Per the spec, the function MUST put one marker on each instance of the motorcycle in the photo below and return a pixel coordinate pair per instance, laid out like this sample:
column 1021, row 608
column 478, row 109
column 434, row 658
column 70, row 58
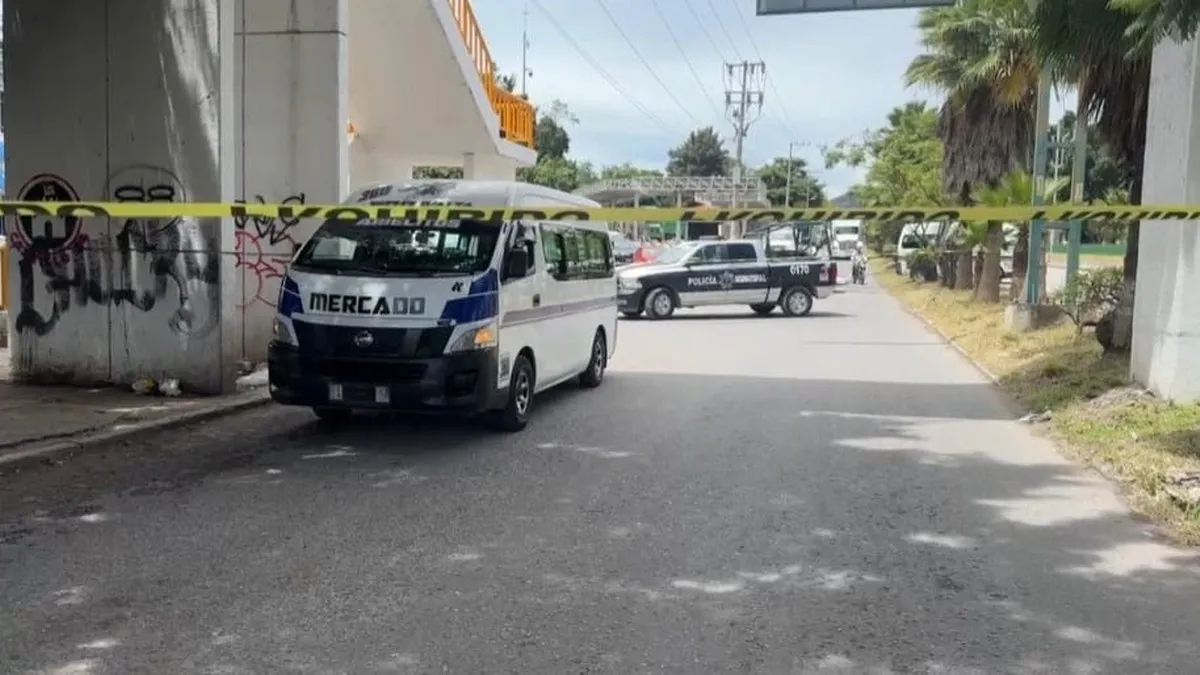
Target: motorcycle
column 859, row 271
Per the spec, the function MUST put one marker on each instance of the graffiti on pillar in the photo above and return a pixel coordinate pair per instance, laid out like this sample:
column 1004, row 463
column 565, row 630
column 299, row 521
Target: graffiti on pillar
column 181, row 261
column 264, row 246
column 146, row 261
column 45, row 244
column 46, row 238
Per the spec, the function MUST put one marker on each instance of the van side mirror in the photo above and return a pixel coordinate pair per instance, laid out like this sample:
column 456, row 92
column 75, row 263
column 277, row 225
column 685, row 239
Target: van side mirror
column 516, row 264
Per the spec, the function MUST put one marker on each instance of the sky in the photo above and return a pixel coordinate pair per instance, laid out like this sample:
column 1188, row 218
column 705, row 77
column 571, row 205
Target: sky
column 829, row 76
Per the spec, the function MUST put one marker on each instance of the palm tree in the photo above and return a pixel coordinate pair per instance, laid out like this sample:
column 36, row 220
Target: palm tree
column 1104, row 46
column 1016, row 189
column 980, row 54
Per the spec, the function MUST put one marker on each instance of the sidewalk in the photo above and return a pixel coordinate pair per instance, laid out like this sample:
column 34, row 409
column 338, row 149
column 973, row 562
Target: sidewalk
column 45, row 424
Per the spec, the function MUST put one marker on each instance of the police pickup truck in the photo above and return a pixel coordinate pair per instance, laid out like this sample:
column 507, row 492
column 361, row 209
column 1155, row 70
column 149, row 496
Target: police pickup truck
column 736, row 272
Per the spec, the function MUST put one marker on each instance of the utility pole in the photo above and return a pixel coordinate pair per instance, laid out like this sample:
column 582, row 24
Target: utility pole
column 743, row 104
column 525, row 71
column 1041, row 146
column 787, row 195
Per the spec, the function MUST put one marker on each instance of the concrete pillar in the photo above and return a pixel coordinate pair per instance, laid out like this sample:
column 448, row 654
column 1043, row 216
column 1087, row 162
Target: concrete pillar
column 293, row 116
column 118, row 100
column 369, row 164
column 1166, row 329
column 488, row 167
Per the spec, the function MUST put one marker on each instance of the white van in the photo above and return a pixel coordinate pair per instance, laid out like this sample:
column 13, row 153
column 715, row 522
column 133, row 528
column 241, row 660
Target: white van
column 464, row 316
column 915, row 236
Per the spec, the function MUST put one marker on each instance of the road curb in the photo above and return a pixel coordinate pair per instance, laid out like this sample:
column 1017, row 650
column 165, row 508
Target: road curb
column 40, row 453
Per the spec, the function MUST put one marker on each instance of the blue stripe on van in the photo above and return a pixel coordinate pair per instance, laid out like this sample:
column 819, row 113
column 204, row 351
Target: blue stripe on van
column 289, row 298
column 481, row 302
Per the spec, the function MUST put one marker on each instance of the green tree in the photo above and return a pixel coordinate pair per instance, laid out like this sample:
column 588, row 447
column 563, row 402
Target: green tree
column 1017, row 189
column 703, row 153
column 438, row 172
column 553, row 140
column 507, row 82
column 805, row 190
column 1104, row 172
column 559, row 173
column 1105, row 46
column 627, row 171
column 1106, row 179
column 903, row 162
column 980, row 55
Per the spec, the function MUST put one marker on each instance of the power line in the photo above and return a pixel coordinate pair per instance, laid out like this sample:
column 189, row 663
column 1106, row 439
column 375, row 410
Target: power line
column 721, row 25
column 704, row 31
column 666, row 90
column 612, row 82
column 686, row 60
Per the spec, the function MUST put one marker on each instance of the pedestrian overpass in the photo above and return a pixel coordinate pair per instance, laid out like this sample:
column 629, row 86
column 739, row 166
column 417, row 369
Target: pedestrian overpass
column 216, row 101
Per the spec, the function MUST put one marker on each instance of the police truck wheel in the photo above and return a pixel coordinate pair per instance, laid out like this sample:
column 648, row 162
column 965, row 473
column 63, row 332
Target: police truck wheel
column 333, row 415
column 796, row 301
column 660, row 304
column 594, row 375
column 515, row 415
column 762, row 310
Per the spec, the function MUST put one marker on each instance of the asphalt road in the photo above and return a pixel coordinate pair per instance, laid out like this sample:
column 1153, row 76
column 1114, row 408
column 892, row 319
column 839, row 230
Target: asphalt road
column 837, row 494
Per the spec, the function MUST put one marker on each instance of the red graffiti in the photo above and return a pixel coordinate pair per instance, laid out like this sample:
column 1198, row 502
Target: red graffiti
column 262, row 264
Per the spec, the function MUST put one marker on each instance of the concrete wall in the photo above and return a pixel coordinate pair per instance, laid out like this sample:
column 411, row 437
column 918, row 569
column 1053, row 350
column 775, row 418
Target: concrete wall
column 117, row 100
column 1166, row 333
column 416, row 96
column 292, row 80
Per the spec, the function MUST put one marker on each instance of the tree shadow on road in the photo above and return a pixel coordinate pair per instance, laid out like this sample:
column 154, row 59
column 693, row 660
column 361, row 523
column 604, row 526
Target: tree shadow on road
column 786, row 526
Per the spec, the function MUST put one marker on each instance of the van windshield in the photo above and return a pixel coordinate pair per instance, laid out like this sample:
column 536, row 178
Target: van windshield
column 843, row 230
column 400, row 248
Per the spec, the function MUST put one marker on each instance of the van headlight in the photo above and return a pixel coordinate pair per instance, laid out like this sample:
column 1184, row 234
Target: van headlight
column 627, row 284
column 282, row 332
column 481, row 337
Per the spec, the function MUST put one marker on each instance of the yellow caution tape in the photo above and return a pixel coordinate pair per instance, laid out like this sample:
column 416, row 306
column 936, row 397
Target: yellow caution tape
column 290, row 212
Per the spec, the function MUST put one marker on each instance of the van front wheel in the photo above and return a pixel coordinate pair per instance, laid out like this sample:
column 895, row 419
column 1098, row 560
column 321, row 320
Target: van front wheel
column 515, row 414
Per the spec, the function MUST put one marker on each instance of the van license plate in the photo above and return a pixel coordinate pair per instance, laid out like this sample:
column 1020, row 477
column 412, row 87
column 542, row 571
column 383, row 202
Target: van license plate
column 383, row 395
column 336, row 393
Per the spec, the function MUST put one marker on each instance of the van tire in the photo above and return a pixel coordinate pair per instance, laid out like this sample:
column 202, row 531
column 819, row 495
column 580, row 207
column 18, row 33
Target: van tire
column 515, row 414
column 597, row 363
column 796, row 301
column 660, row 304
column 333, row 416
column 763, row 309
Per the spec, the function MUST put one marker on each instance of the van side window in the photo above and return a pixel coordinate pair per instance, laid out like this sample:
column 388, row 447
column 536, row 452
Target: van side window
column 576, row 250
column 555, row 254
column 599, row 258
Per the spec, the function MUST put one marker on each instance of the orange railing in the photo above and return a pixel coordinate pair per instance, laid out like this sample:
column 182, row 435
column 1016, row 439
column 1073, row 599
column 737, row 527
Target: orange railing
column 516, row 114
